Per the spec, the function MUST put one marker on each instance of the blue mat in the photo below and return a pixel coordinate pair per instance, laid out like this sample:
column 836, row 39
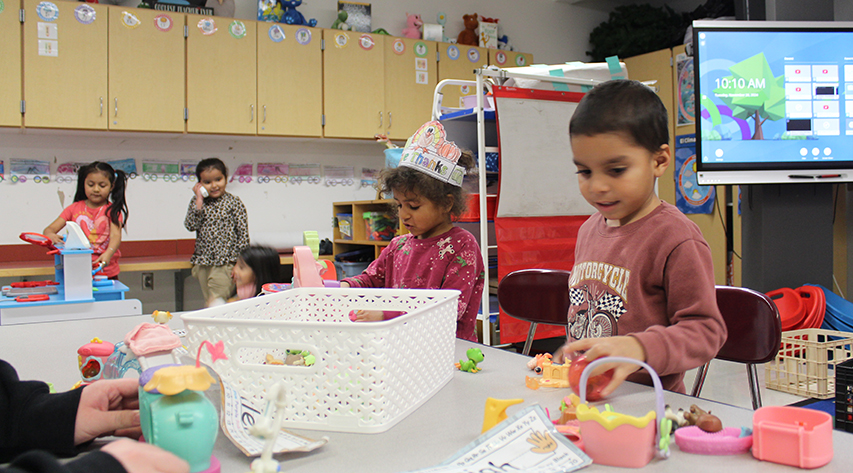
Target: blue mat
column 825, row 405
column 839, row 312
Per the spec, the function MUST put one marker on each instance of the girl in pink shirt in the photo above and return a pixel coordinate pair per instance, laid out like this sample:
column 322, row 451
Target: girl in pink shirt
column 101, row 211
column 427, row 189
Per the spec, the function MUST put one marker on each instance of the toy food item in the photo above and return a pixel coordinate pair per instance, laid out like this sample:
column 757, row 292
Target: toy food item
column 594, row 385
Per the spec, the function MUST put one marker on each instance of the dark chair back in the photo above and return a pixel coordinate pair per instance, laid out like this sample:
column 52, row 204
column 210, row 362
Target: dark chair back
column 753, row 325
column 536, row 295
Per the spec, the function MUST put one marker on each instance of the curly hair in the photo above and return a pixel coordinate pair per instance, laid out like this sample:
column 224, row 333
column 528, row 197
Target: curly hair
column 405, row 179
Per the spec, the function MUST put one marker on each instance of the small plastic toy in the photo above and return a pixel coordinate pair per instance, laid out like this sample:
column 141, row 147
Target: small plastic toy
column 615, row 439
column 469, row 34
column 728, row 441
column 504, row 44
column 441, row 19
column 553, row 376
column 495, row 411
column 596, row 383
column 413, row 25
column 92, row 359
column 162, row 316
column 475, row 355
column 793, row 436
column 267, row 428
column 341, row 22
column 291, row 16
column 535, row 363
column 704, row 420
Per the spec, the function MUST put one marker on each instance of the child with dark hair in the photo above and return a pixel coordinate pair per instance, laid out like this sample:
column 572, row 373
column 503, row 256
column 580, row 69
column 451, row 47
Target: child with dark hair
column 101, row 211
column 222, row 230
column 642, row 285
column 435, row 254
column 256, row 266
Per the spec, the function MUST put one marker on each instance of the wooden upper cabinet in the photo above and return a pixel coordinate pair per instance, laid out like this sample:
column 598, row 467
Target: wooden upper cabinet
column 221, row 75
column 354, row 84
column 410, row 78
column 146, row 70
column 290, row 80
column 504, row 59
column 10, row 73
column 65, row 64
column 458, row 61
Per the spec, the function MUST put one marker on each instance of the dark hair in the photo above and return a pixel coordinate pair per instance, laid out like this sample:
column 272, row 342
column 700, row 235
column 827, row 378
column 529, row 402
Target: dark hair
column 210, row 163
column 264, row 263
column 406, row 179
column 118, row 180
column 623, row 106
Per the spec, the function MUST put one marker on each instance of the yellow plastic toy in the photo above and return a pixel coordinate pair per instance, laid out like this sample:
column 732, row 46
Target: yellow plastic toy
column 495, row 412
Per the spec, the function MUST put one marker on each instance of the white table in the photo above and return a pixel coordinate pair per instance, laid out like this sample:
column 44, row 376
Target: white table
column 439, row 428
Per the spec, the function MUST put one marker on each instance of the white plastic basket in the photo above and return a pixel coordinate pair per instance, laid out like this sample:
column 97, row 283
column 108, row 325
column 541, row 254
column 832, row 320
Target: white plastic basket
column 367, row 376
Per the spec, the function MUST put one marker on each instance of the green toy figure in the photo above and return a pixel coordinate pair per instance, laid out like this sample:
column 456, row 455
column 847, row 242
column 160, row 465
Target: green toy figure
column 475, row 355
column 341, row 22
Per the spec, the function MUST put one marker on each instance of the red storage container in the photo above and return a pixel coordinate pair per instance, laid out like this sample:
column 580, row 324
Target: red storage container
column 473, row 212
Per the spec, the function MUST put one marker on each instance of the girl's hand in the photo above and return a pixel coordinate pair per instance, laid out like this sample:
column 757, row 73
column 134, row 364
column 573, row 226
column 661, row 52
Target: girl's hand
column 345, row 284
column 56, row 239
column 140, row 457
column 197, row 190
column 103, row 260
column 368, row 316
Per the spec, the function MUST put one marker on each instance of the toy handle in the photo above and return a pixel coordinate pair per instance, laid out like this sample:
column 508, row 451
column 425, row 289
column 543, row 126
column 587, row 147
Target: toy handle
column 659, row 402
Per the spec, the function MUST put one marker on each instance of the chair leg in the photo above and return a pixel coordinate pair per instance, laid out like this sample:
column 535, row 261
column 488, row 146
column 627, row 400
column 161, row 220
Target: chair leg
column 754, row 390
column 699, row 381
column 529, row 342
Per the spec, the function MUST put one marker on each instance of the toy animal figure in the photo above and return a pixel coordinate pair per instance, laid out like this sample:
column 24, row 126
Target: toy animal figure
column 441, row 19
column 536, row 362
column 413, row 25
column 162, row 316
column 475, row 355
column 293, row 17
column 704, row 420
column 341, row 22
column 503, row 43
column 469, row 35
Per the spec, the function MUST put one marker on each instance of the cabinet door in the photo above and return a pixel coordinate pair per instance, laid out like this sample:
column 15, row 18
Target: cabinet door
column 504, row 59
column 65, row 64
column 221, row 75
column 353, row 84
column 458, row 61
column 410, row 78
column 10, row 73
column 146, row 70
column 290, row 80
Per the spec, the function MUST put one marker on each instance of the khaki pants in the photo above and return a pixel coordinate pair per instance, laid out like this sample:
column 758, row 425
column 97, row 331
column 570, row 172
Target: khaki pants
column 216, row 282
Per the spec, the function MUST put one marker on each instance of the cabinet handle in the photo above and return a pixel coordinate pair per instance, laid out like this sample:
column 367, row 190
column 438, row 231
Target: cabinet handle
column 116, row 106
column 380, row 119
column 252, row 113
column 265, row 113
column 102, row 107
column 389, row 119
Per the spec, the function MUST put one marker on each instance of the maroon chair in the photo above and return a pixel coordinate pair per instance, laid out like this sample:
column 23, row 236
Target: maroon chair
column 538, row 296
column 754, row 334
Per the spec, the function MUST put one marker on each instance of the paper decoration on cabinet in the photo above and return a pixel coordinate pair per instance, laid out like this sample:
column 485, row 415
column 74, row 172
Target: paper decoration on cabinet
column 369, row 177
column 272, row 172
column 167, row 170
column 366, row 42
column 243, row 173
column 23, row 170
column 421, row 49
column 684, row 95
column 188, row 171
column 47, row 11
column 163, row 23
column 129, row 20
column 310, row 173
column 339, row 175
column 128, row 165
column 85, row 14
column 67, row 172
column 303, row 36
column 237, row 29
column 207, row 26
column 358, row 15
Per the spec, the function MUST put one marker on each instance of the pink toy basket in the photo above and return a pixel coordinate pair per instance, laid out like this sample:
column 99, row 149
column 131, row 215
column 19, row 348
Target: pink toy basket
column 792, row 436
column 616, row 439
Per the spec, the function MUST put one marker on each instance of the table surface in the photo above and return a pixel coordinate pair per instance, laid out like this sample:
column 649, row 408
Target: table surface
column 444, row 424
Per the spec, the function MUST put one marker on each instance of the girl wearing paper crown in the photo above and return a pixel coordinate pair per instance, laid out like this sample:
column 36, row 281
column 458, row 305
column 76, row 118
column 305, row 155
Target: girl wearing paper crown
column 427, row 190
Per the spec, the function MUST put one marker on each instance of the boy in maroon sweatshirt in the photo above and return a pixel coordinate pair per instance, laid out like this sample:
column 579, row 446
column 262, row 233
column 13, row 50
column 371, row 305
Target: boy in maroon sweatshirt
column 642, row 285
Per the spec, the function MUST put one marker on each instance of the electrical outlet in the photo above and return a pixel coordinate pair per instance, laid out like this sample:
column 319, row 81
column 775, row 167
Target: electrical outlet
column 147, row 281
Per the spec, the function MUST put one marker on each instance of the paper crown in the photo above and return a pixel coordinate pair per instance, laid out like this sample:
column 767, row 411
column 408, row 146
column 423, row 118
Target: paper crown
column 428, row 151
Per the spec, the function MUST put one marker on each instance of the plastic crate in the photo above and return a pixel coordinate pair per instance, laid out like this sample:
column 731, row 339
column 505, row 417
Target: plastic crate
column 844, row 396
column 366, row 377
column 806, row 362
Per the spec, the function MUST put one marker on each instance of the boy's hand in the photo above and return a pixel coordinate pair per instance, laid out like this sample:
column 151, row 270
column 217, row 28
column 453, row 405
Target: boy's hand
column 108, row 407
column 594, row 348
column 139, row 457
